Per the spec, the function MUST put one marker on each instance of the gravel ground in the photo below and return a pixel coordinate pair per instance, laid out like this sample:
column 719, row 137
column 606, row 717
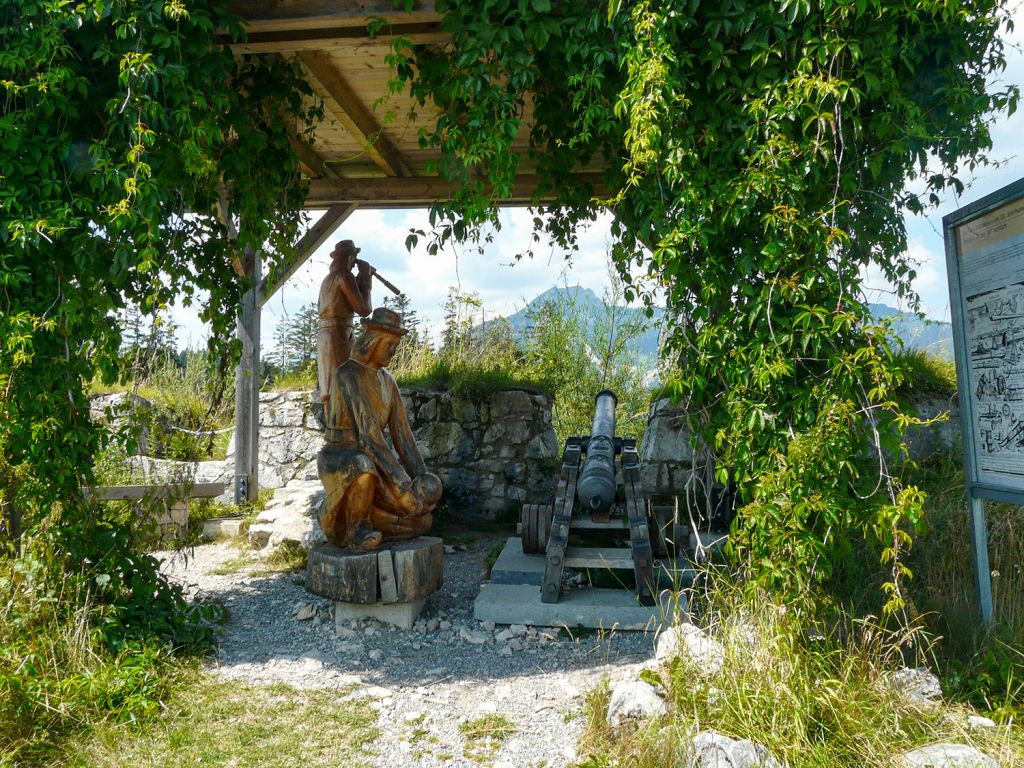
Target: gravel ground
column 425, row 682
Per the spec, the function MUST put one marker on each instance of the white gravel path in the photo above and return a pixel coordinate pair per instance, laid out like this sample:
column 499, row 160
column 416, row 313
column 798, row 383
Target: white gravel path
column 425, row 681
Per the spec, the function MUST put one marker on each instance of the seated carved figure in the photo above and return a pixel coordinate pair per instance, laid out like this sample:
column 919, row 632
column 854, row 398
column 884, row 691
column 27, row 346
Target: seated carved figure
column 374, row 492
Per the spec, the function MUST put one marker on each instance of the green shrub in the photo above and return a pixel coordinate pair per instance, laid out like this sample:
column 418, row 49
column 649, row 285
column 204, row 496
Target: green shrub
column 82, row 647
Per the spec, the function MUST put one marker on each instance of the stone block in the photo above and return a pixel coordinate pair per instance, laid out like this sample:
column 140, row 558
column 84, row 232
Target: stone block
column 667, row 438
column 543, row 445
column 401, row 615
column 222, row 527
column 513, row 566
column 513, row 402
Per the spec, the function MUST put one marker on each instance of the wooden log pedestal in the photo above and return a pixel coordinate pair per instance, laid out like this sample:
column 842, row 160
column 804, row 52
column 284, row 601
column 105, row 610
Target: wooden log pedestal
column 390, row 584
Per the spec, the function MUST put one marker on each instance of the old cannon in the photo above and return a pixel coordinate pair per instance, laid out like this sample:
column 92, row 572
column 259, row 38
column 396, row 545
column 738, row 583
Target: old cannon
column 598, row 496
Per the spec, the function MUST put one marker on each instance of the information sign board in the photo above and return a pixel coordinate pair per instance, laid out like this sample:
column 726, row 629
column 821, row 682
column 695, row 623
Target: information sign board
column 985, row 266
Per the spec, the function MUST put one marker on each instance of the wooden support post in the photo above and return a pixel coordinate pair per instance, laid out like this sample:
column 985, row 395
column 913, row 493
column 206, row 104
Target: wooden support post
column 247, row 390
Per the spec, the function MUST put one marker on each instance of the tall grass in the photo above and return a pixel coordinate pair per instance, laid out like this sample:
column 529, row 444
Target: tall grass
column 58, row 675
column 815, row 695
column 984, row 667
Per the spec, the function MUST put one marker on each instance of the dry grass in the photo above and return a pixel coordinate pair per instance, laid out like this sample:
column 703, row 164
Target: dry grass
column 216, row 723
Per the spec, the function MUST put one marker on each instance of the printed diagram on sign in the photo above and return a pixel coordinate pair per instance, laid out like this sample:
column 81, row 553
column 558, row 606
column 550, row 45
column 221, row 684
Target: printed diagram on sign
column 995, row 330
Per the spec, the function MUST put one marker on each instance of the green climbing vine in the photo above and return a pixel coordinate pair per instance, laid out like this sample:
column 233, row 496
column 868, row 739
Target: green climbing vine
column 139, row 159
column 758, row 156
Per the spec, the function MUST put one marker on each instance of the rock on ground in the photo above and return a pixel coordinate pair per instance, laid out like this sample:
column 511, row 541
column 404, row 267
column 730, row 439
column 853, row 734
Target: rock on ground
column 692, row 643
column 292, row 516
column 947, row 756
column 634, row 700
column 711, row 749
column 918, row 685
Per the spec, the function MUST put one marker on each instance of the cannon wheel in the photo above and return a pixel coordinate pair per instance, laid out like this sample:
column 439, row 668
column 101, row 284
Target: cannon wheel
column 528, row 523
column 545, row 513
column 535, row 527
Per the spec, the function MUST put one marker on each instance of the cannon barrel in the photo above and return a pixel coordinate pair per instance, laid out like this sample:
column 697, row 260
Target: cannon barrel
column 596, row 489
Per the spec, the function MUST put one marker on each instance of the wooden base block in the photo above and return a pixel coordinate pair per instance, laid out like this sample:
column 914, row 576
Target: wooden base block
column 399, row 572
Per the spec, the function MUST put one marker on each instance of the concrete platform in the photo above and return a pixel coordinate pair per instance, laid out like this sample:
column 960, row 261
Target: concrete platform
column 585, row 607
column 514, row 566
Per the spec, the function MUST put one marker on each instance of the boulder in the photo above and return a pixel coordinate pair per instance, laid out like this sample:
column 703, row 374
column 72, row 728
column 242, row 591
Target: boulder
column 291, row 516
column 689, row 641
column 711, row 749
column 634, row 700
column 947, row 756
column 917, row 685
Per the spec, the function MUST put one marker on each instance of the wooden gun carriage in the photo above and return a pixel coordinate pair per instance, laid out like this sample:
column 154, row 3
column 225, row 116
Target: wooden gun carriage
column 599, row 496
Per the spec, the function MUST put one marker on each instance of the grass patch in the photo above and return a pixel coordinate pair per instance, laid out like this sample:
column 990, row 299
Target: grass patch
column 985, row 669
column 218, row 723
column 295, row 381
column 285, row 558
column 926, row 374
column 466, row 380
column 814, row 697
column 484, row 736
column 492, row 557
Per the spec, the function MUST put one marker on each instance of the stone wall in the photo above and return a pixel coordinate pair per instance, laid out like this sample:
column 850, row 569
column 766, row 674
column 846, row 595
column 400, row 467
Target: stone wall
column 492, row 453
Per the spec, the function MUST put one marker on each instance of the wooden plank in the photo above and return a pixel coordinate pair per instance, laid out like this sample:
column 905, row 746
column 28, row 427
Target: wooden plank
column 386, row 573
column 298, row 14
column 419, row 567
column 316, row 236
column 348, row 40
column 139, row 492
column 599, row 557
column 312, row 164
column 353, row 114
column 586, row 523
column 418, row 190
column 558, row 537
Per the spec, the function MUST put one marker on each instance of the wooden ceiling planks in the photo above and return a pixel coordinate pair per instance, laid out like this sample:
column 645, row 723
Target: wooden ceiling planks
column 367, row 149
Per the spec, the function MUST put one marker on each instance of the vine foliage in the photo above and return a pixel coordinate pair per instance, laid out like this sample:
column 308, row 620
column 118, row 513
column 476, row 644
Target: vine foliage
column 139, row 159
column 758, row 157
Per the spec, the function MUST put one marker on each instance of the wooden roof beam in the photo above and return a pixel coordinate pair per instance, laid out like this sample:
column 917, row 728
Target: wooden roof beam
column 351, row 113
column 416, row 192
column 348, row 39
column 310, row 162
column 310, row 14
column 316, row 236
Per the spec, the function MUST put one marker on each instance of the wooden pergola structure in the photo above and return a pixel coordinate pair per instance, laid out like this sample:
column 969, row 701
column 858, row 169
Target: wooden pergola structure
column 366, row 153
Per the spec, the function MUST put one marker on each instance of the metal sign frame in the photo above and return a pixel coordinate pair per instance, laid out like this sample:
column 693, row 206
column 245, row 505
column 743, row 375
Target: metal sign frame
column 990, row 215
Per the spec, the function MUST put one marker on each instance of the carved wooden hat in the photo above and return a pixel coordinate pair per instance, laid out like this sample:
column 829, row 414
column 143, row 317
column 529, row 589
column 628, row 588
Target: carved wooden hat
column 384, row 320
column 343, row 247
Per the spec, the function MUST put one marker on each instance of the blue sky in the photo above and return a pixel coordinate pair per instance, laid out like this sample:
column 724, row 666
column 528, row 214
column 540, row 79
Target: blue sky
column 504, row 285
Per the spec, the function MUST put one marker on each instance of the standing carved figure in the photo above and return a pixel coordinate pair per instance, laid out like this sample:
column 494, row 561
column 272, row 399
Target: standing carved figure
column 342, row 294
column 374, row 492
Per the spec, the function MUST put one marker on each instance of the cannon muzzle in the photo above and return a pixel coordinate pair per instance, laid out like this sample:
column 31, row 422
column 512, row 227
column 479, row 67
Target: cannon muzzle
column 596, row 489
